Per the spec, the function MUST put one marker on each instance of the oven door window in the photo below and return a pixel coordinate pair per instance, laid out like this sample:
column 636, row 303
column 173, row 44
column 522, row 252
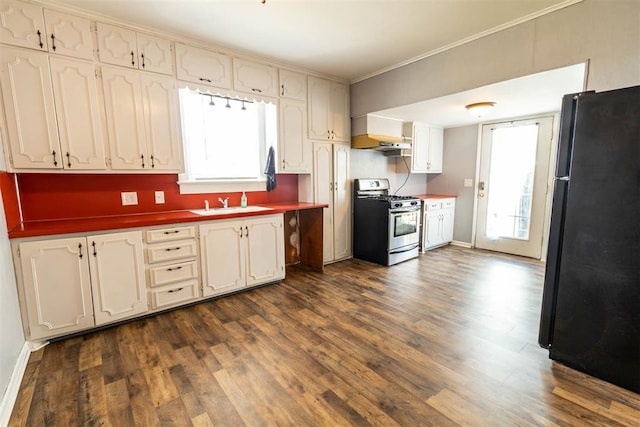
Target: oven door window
column 405, row 223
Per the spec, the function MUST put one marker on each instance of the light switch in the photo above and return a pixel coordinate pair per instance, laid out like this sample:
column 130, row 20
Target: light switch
column 159, row 197
column 468, row 182
column 129, row 198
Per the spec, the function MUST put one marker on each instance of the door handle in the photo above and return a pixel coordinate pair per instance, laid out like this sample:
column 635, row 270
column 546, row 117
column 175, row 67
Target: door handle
column 481, row 187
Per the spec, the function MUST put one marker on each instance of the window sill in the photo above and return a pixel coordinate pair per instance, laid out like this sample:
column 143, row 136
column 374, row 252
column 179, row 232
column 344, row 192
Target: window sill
column 202, row 187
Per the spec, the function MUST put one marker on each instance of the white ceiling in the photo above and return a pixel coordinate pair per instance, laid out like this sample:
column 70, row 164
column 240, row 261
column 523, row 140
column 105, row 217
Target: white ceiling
column 349, row 39
column 534, row 94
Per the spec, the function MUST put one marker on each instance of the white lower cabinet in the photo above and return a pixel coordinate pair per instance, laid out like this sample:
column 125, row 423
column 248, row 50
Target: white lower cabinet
column 66, row 282
column 437, row 223
column 241, row 253
column 117, row 276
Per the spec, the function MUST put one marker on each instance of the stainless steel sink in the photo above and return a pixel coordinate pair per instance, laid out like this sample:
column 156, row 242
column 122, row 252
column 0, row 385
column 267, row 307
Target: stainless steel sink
column 227, row 211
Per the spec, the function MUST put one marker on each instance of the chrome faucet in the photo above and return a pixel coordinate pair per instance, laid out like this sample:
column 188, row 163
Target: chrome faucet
column 225, row 202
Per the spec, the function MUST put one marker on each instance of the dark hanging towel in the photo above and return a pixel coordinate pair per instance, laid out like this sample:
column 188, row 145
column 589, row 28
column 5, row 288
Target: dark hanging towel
column 270, row 169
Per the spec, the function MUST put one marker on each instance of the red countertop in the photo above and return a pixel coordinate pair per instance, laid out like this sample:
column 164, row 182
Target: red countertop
column 83, row 225
column 435, row 196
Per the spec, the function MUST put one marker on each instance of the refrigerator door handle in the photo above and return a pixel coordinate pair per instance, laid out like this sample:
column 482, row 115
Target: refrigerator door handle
column 562, row 178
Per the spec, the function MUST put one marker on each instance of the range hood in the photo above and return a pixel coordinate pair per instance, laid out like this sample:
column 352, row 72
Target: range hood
column 378, row 133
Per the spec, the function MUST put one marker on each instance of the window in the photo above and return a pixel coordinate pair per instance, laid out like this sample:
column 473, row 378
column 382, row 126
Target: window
column 225, row 142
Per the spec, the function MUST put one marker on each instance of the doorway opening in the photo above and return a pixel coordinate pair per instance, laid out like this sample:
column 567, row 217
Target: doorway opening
column 512, row 187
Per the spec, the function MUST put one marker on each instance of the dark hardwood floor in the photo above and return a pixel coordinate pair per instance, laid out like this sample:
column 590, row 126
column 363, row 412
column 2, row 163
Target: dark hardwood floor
column 446, row 339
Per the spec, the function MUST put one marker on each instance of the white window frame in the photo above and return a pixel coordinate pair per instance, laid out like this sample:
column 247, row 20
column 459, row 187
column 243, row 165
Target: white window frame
column 189, row 185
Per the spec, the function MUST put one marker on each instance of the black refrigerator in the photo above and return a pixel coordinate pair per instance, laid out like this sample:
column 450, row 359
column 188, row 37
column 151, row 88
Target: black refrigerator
column 590, row 318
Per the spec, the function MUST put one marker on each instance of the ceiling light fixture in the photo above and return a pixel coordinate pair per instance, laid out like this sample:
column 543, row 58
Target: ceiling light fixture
column 479, row 109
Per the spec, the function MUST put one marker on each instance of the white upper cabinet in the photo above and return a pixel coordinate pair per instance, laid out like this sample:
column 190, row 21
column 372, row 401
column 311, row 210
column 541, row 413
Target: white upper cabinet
column 203, row 66
column 293, row 85
column 154, row 54
column 328, row 110
column 32, row 133
column 160, row 108
column 124, row 47
column 77, row 110
column 52, row 111
column 22, row 24
column 426, row 147
column 68, row 35
column 125, row 118
column 142, row 120
column 251, row 77
column 294, row 149
column 30, row 26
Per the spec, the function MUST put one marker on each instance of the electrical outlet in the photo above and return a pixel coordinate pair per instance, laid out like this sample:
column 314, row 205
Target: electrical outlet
column 129, row 198
column 468, row 182
column 159, row 197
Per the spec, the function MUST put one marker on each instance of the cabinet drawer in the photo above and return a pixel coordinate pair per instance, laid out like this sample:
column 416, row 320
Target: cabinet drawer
column 430, row 204
column 173, row 273
column 169, row 234
column 174, row 294
column 448, row 203
column 172, row 250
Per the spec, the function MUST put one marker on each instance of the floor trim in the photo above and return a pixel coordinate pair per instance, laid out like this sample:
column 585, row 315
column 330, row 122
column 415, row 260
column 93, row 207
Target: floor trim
column 10, row 395
column 461, row 244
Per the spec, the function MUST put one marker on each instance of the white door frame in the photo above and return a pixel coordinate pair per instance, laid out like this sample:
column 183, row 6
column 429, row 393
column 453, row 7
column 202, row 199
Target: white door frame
column 550, row 177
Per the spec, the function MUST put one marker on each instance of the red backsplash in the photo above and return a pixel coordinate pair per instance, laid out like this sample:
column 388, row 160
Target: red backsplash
column 62, row 196
column 10, row 199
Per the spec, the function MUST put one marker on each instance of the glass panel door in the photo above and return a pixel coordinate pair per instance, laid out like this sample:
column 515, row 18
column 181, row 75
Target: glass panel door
column 513, row 161
column 512, row 186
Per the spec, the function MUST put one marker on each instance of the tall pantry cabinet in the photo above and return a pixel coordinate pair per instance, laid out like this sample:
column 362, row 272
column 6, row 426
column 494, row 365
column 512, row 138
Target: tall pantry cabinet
column 329, row 184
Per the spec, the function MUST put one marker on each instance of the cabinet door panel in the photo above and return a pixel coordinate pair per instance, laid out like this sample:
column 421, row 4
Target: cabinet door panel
column 55, row 276
column 160, row 102
column 431, row 224
column 265, row 258
column 255, row 78
column 20, row 24
column 436, row 136
column 117, row 45
column 117, row 276
column 319, row 105
column 341, row 202
column 125, row 118
column 68, row 35
column 340, row 116
column 222, row 257
column 78, row 117
column 448, row 217
column 203, row 66
column 294, row 148
column 293, row 85
column 323, row 191
column 154, row 54
column 29, row 109
column 420, row 148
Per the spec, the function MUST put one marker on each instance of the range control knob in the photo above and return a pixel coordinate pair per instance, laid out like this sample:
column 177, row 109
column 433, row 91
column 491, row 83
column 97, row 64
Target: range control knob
column 397, row 205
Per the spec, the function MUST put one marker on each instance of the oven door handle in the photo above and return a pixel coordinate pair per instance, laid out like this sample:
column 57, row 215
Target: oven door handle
column 404, row 249
column 404, row 210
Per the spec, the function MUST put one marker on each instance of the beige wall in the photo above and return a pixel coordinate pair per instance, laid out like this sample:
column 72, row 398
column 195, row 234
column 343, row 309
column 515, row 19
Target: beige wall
column 11, row 337
column 605, row 32
column 460, row 147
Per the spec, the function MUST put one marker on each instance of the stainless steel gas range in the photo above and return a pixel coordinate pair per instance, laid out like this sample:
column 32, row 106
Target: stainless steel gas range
column 385, row 227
